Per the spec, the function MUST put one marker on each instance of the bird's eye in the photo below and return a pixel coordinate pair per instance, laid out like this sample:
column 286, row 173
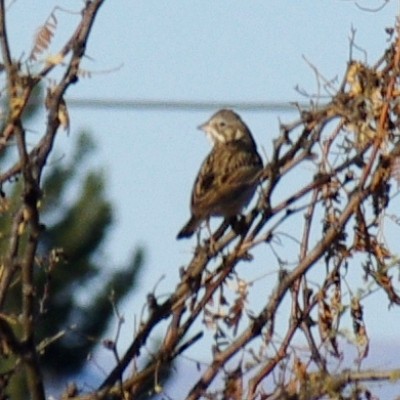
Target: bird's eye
column 222, row 124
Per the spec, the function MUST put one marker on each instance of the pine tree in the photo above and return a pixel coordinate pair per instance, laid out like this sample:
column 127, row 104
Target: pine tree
column 70, row 325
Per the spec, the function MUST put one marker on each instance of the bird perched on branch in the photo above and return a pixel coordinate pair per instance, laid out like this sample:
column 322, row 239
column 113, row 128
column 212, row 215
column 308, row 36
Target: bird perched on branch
column 228, row 176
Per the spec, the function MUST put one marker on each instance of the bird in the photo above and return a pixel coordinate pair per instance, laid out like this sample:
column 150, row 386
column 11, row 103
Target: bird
column 229, row 175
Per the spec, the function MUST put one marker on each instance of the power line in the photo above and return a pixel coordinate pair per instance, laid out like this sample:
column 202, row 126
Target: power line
column 171, row 105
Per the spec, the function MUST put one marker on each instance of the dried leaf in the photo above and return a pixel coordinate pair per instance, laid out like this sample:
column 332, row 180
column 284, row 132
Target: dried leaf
column 385, row 282
column 21, row 227
column 396, row 170
column 327, row 331
column 235, row 314
column 234, row 385
column 63, row 115
column 300, row 370
column 43, row 37
column 359, row 328
column 16, row 104
column 353, row 78
column 54, row 59
column 4, row 204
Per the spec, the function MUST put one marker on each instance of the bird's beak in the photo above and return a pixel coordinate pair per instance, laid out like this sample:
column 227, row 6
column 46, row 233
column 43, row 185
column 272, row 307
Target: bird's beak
column 206, row 128
column 203, row 127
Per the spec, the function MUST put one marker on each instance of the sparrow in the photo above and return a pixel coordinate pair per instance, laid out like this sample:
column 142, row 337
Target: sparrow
column 228, row 176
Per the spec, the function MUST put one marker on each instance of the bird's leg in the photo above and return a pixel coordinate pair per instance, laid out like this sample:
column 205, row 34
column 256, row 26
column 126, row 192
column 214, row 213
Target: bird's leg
column 240, row 226
column 211, row 241
column 213, row 238
column 219, row 232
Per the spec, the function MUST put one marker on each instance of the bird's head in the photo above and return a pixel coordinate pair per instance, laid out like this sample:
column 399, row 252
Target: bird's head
column 226, row 126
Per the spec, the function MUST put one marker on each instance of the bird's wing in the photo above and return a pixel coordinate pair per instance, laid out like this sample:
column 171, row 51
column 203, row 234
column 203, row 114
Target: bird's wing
column 224, row 175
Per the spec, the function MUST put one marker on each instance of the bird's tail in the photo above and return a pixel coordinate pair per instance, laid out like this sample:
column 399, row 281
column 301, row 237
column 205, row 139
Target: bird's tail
column 189, row 228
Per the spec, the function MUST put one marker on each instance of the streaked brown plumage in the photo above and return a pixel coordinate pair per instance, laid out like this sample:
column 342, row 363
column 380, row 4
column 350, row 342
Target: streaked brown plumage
column 228, row 176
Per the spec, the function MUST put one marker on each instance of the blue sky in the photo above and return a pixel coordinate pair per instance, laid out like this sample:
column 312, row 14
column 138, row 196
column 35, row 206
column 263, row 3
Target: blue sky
column 225, row 50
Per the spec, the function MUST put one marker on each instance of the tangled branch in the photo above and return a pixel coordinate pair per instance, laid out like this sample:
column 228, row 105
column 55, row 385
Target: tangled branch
column 18, row 265
column 352, row 142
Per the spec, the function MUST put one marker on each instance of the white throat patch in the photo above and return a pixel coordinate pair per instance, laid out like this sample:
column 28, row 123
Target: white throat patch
column 214, row 136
